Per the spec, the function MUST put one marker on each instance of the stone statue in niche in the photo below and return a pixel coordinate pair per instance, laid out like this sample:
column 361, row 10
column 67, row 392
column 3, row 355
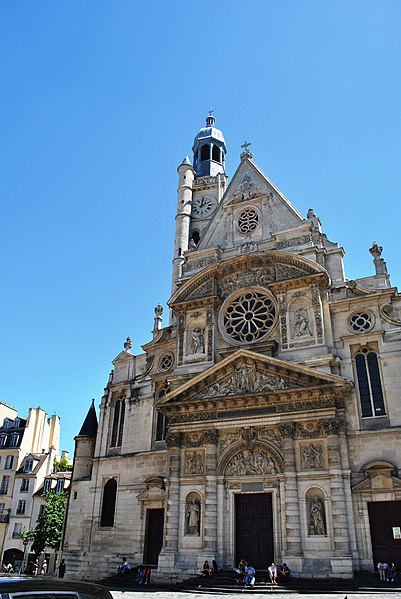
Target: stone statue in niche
column 301, row 323
column 193, row 462
column 317, row 520
column 192, row 517
column 250, row 462
column 197, row 341
column 312, row 456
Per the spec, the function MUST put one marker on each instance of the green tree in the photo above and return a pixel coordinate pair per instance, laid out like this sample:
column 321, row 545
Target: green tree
column 62, row 465
column 49, row 527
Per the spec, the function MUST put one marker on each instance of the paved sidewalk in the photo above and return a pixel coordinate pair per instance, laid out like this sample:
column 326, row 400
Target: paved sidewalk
column 157, row 594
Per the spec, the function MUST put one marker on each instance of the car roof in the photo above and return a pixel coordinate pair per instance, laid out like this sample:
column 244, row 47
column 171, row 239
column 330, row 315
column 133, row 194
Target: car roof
column 38, row 584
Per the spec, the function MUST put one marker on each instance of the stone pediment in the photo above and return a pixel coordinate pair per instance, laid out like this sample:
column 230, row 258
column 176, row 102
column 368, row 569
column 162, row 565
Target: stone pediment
column 264, row 270
column 124, row 356
column 377, row 483
column 246, row 379
column 250, row 182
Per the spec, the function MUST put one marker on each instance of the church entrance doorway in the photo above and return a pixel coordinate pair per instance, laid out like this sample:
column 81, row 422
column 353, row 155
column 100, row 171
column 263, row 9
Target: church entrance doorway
column 153, row 536
column 385, row 530
column 254, row 529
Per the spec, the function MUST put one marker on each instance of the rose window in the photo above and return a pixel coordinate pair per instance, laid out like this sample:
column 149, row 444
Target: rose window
column 360, row 322
column 248, row 220
column 166, row 362
column 248, row 317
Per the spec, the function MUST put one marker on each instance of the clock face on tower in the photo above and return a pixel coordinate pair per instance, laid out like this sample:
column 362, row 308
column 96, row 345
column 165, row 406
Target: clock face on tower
column 203, row 206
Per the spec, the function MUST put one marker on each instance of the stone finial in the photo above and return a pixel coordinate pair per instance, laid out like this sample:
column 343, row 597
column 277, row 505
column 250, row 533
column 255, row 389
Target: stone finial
column 376, row 250
column 311, row 214
column 246, row 153
column 127, row 344
column 158, row 319
column 380, row 265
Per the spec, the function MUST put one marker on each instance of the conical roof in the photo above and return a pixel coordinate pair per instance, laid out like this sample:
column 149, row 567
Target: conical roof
column 89, row 427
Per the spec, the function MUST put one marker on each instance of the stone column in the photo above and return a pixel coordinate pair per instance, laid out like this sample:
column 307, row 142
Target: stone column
column 169, row 552
column 341, row 541
column 210, row 513
column 291, row 503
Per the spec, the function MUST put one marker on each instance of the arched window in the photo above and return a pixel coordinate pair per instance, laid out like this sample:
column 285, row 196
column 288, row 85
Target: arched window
column 196, row 237
column 109, row 503
column 216, row 154
column 205, row 152
column 118, row 424
column 369, row 383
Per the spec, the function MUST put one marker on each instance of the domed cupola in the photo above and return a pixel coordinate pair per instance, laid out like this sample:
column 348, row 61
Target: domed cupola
column 209, row 150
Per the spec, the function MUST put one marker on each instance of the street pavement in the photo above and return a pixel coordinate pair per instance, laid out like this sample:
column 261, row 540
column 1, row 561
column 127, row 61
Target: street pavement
column 158, row 594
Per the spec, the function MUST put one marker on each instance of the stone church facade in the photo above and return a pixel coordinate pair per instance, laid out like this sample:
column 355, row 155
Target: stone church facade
column 264, row 421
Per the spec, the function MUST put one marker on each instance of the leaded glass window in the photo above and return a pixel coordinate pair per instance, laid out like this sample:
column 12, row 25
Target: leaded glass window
column 369, row 383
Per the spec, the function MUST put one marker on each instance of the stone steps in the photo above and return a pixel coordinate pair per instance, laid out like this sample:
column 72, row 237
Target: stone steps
column 224, row 583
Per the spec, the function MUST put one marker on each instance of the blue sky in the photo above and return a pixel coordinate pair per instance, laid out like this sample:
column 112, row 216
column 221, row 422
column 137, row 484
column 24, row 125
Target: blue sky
column 100, row 102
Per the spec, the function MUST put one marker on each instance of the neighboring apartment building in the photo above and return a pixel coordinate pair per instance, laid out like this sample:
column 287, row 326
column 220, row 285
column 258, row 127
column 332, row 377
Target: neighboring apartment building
column 27, row 451
column 57, row 482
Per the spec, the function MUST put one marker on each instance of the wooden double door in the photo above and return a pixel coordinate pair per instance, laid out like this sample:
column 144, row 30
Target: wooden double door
column 385, row 528
column 254, row 529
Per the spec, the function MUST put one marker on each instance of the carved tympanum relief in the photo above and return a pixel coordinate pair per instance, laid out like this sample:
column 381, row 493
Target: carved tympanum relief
column 247, row 379
column 246, row 190
column 248, row 462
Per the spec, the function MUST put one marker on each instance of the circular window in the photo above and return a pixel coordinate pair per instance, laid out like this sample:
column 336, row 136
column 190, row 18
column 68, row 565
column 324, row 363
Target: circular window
column 360, row 322
column 248, row 316
column 166, row 362
column 248, row 220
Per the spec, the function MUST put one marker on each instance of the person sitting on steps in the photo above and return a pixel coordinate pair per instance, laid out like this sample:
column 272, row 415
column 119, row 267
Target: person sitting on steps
column 284, row 572
column 272, row 571
column 124, row 567
column 249, row 575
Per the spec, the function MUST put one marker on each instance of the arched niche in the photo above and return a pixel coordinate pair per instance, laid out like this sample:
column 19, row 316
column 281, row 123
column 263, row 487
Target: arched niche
column 316, row 517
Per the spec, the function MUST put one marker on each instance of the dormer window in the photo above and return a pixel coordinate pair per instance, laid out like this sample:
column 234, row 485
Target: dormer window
column 17, row 423
column 28, row 466
column 14, row 440
column 6, row 423
column 47, row 486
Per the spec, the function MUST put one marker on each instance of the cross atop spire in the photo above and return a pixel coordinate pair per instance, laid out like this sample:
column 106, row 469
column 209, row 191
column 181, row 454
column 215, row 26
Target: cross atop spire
column 246, row 153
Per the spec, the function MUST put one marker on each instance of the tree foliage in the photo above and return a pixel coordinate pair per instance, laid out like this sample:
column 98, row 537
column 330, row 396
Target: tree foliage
column 62, row 465
column 49, row 525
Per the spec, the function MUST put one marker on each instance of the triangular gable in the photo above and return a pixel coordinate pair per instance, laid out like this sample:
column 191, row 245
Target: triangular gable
column 124, row 356
column 248, row 184
column 249, row 373
column 249, row 181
